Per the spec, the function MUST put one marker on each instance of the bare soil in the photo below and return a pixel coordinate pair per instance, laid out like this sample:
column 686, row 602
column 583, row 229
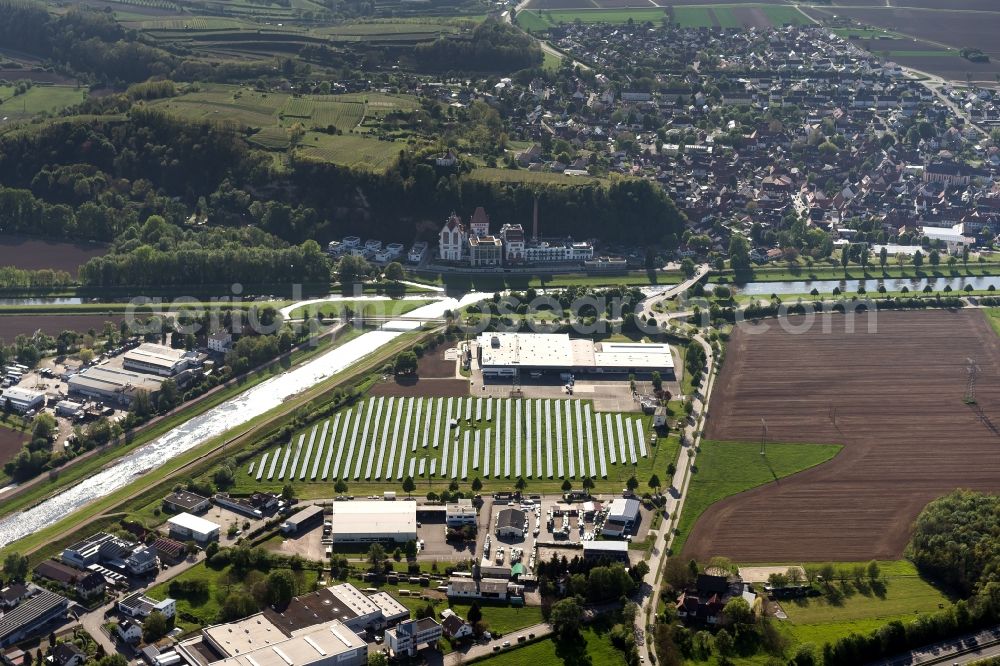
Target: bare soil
column 893, row 398
column 17, row 324
column 435, row 378
column 11, row 442
column 35, row 254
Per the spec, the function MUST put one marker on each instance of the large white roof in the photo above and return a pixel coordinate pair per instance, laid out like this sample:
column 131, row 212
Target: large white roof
column 374, row 517
column 193, row 523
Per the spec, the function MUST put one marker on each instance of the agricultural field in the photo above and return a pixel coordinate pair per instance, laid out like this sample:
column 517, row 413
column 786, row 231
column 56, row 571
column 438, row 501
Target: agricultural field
column 273, row 114
column 13, row 325
column 543, row 14
column 728, row 468
column 934, row 32
column 32, row 254
column 493, row 175
column 386, row 439
column 892, row 392
column 38, row 99
column 351, row 150
column 386, row 308
column 11, row 442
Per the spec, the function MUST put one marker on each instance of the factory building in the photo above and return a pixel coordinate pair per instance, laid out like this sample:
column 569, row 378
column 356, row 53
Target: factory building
column 116, row 386
column 23, row 400
column 185, row 526
column 505, row 354
column 370, row 521
column 157, row 360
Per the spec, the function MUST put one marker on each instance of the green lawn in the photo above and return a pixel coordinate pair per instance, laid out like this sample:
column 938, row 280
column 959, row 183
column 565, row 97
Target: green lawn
column 781, row 273
column 388, row 308
column 592, row 648
column 353, row 150
column 993, row 316
column 906, row 596
column 192, row 614
column 693, row 17
column 728, row 468
column 38, row 99
column 522, row 281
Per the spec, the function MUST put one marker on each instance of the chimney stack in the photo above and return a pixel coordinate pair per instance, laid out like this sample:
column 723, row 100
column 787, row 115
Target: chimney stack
column 534, row 222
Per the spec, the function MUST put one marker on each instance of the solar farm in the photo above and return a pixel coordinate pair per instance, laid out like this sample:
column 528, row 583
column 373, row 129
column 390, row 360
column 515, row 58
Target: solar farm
column 386, row 439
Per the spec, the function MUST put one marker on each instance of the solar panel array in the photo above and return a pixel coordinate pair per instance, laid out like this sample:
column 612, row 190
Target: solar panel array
column 385, row 438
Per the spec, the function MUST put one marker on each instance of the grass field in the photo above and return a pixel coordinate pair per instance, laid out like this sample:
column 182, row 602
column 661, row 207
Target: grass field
column 273, row 114
column 993, row 316
column 825, row 272
column 38, row 99
column 728, row 468
column 193, row 614
column 532, row 177
column 861, row 609
column 352, row 150
column 336, row 308
column 720, row 15
column 479, row 282
column 593, row 647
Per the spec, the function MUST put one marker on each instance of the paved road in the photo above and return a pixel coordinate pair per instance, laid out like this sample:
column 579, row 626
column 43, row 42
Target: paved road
column 479, row 650
column 962, row 650
column 691, row 437
column 646, row 306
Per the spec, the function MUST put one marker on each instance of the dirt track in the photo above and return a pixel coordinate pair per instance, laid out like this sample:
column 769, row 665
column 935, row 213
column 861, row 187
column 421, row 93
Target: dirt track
column 896, row 396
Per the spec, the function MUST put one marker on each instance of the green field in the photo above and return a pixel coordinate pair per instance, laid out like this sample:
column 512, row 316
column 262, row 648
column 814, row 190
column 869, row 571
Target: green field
column 492, row 175
column 862, row 609
column 38, row 99
column 728, row 468
column 273, row 114
column 593, row 647
column 193, row 614
column 687, row 16
column 993, row 316
column 352, row 150
column 380, row 308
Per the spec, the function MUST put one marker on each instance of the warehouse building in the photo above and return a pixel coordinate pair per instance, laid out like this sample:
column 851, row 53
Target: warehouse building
column 113, row 385
column 185, row 526
column 303, row 519
column 182, row 500
column 505, row 354
column 611, row 550
column 31, row 616
column 256, row 641
column 364, row 522
column 622, row 516
column 510, row 524
column 157, row 360
column 23, row 400
column 343, row 602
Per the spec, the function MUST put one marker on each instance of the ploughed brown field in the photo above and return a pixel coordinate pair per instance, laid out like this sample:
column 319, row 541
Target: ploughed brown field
column 893, row 398
column 17, row 324
column 11, row 442
column 33, row 254
column 435, row 378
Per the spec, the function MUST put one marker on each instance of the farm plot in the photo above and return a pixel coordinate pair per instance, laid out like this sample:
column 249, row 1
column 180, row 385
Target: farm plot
column 908, row 436
column 32, row 254
column 353, row 150
column 36, row 100
column 386, row 438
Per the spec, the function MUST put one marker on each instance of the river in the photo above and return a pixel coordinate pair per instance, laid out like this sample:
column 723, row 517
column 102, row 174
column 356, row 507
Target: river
column 871, row 285
column 230, row 414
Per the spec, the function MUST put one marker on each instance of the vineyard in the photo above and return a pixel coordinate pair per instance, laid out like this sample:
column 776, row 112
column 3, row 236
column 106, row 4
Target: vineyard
column 353, row 150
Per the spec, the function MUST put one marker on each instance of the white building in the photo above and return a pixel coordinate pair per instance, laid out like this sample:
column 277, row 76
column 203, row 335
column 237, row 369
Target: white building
column 369, row 521
column 504, row 354
column 451, row 239
column 510, row 523
column 622, row 516
column 549, row 252
column 460, row 513
column 220, row 342
column 953, row 238
column 352, row 241
column 23, row 400
column 184, row 526
column 417, row 252
column 513, row 242
column 407, row 637
column 255, row 641
column 156, row 359
column 138, row 605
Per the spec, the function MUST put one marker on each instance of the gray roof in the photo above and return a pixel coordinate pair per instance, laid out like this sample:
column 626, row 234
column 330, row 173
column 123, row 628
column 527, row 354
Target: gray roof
column 30, row 611
column 511, row 518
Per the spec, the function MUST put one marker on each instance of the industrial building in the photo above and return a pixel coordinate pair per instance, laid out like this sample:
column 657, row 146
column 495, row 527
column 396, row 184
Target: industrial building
column 506, row 354
column 256, row 641
column 138, row 605
column 622, row 516
column 186, row 526
column 23, row 400
column 344, row 603
column 303, row 519
column 410, row 635
column 31, row 616
column 113, row 385
column 157, row 359
column 612, row 550
column 111, row 551
column 460, row 513
column 510, row 523
column 182, row 500
column 370, row 521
